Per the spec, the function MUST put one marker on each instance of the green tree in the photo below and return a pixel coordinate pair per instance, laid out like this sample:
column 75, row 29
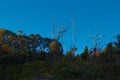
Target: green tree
column 56, row 48
column 117, row 44
column 6, row 38
column 70, row 53
column 85, row 53
column 110, row 54
column 110, row 48
column 35, row 42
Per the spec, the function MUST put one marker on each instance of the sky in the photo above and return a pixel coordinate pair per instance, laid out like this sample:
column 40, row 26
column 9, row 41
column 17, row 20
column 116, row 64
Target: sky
column 38, row 17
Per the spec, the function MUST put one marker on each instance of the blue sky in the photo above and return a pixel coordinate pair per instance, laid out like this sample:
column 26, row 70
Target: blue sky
column 38, row 16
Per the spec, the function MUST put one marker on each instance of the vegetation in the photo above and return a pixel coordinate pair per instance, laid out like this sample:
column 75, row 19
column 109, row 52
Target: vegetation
column 35, row 58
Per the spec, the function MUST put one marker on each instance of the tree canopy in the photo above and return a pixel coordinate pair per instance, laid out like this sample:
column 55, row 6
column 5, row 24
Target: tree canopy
column 35, row 57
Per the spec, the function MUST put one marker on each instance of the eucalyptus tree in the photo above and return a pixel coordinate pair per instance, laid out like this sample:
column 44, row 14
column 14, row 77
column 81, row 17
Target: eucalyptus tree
column 35, row 42
column 6, row 38
column 95, row 40
column 74, row 39
column 20, row 32
column 55, row 48
column 85, row 53
column 58, row 34
column 117, row 43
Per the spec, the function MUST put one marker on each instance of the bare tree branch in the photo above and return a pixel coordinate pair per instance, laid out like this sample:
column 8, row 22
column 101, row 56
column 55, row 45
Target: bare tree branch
column 61, row 30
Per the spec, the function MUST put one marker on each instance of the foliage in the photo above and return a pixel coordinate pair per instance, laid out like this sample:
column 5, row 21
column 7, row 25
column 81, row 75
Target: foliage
column 36, row 58
column 85, row 54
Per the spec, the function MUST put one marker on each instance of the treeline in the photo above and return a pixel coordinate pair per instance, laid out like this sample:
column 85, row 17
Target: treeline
column 34, row 57
column 17, row 45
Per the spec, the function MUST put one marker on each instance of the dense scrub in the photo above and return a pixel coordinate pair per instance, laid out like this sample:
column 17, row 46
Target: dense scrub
column 64, row 69
column 43, row 58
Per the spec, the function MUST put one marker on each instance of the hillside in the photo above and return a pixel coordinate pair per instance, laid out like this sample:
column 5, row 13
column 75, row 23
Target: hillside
column 34, row 57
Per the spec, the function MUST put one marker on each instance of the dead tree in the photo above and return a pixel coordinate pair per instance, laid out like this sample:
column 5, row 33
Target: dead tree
column 20, row 32
column 59, row 33
column 73, row 49
column 95, row 40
